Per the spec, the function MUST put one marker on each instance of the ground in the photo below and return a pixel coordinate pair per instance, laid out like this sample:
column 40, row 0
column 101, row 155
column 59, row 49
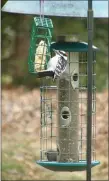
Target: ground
column 21, row 138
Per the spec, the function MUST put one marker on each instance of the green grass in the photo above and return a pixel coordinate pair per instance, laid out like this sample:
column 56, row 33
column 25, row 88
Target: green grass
column 19, row 161
column 11, row 169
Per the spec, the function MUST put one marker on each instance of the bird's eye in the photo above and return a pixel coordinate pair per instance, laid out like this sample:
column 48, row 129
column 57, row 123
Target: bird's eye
column 63, row 53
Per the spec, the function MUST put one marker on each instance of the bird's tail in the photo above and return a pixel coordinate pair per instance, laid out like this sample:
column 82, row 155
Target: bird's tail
column 45, row 73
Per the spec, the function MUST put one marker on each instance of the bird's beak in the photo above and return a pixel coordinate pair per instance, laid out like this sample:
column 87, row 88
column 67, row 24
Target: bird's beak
column 66, row 53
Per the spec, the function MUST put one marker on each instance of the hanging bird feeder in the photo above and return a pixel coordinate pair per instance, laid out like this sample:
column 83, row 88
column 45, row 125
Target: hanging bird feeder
column 64, row 112
column 65, row 115
column 39, row 52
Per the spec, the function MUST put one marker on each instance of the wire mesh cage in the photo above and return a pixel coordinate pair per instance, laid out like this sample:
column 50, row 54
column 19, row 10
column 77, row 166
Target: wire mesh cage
column 39, row 51
column 64, row 113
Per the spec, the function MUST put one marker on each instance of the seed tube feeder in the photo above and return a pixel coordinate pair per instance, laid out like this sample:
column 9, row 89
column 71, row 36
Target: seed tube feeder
column 64, row 135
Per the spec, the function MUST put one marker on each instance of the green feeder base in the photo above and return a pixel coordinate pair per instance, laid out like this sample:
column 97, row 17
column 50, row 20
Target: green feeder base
column 68, row 166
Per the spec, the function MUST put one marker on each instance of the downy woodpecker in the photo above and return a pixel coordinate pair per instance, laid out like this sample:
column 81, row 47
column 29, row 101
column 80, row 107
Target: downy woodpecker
column 56, row 65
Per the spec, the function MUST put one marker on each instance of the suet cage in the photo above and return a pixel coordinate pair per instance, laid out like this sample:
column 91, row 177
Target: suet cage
column 40, row 41
column 63, row 135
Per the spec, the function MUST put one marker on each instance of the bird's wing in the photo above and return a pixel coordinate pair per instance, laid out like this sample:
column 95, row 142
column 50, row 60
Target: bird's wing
column 60, row 67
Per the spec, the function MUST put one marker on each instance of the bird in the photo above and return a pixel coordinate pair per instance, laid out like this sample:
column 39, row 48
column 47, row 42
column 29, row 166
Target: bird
column 40, row 56
column 52, row 154
column 56, row 65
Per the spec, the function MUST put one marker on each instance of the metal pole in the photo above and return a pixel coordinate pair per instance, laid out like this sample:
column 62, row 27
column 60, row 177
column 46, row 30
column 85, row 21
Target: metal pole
column 89, row 100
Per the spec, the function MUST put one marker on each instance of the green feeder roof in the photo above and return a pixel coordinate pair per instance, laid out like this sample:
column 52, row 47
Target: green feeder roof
column 72, row 46
column 43, row 22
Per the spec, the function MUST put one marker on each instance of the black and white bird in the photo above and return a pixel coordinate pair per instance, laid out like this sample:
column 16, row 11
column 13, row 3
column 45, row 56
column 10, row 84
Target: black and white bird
column 56, row 65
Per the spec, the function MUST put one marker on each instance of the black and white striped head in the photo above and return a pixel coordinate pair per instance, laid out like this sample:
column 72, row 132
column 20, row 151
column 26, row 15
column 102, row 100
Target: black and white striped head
column 61, row 53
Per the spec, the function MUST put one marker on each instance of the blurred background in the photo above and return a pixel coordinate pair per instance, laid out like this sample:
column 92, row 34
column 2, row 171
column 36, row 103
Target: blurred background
column 21, row 98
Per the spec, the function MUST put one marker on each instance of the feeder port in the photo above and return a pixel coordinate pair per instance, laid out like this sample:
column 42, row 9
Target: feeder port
column 65, row 116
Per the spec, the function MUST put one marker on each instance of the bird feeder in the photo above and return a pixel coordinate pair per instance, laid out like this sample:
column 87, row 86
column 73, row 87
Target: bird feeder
column 81, row 85
column 39, row 51
column 64, row 112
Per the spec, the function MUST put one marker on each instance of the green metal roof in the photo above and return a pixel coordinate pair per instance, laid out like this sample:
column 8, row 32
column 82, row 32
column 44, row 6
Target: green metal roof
column 72, row 46
column 43, row 22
